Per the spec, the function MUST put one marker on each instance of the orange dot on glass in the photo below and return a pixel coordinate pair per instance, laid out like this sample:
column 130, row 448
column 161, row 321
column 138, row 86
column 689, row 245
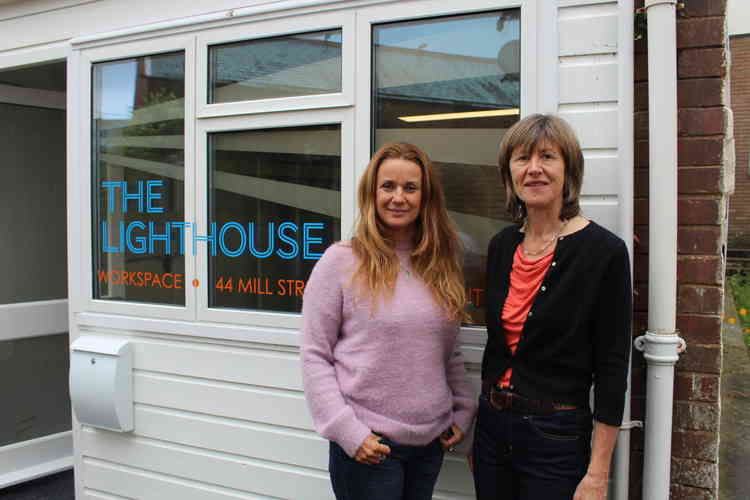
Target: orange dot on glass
column 731, row 321
column 196, row 283
column 743, row 311
column 747, row 331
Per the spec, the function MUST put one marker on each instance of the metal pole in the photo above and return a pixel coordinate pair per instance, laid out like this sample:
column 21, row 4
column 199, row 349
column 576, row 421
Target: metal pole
column 661, row 343
column 620, row 476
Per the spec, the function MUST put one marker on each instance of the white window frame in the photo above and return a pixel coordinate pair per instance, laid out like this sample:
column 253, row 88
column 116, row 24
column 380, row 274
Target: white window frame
column 24, row 320
column 35, row 98
column 343, row 117
column 34, row 458
column 87, row 58
column 258, row 30
column 533, row 33
column 202, row 118
column 379, row 14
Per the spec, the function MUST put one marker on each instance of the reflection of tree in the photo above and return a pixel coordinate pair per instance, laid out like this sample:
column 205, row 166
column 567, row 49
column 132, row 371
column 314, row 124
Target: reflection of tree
column 510, row 55
column 505, row 17
column 154, row 128
column 157, row 127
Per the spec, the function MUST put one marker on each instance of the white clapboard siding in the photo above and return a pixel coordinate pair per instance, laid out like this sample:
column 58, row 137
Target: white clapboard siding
column 235, row 472
column 214, row 403
column 587, row 29
column 207, row 466
column 265, row 442
column 588, row 93
column 454, row 478
column 138, row 484
column 229, row 364
column 439, row 494
column 249, row 439
column 595, row 124
column 472, row 354
column 588, row 82
column 603, row 210
column 89, row 494
column 600, row 176
column 222, row 398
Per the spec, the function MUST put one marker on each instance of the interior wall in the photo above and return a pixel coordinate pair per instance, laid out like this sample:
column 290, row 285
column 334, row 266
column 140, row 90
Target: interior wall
column 34, row 388
column 32, row 204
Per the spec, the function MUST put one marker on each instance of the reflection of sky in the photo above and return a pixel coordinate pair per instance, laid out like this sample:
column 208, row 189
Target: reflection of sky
column 474, row 35
column 116, row 90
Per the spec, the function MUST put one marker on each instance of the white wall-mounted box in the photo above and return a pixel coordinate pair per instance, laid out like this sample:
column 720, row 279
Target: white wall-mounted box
column 101, row 382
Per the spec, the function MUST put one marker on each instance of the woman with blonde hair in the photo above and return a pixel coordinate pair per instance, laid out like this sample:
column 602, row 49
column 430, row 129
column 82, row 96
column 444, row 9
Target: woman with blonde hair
column 383, row 379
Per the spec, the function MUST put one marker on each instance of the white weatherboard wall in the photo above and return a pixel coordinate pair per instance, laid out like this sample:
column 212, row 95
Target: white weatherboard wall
column 219, row 409
column 738, row 17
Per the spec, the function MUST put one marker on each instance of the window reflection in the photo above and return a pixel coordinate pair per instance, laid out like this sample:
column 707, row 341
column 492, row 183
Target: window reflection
column 138, row 178
column 296, row 65
column 452, row 86
column 274, row 208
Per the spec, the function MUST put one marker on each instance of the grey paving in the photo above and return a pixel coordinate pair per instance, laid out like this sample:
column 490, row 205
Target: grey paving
column 734, row 447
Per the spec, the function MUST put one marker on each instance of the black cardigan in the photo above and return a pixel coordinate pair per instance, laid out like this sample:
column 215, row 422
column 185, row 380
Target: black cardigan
column 578, row 329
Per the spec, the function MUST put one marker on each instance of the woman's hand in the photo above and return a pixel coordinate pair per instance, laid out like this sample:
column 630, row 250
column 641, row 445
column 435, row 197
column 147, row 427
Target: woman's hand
column 451, row 437
column 592, row 488
column 371, row 451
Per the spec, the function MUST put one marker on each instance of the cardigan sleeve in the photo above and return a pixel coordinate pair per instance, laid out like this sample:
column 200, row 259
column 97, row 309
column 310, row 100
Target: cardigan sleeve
column 322, row 306
column 612, row 338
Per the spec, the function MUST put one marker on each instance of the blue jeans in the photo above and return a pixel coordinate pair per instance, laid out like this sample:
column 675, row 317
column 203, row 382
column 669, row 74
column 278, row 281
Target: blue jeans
column 408, row 473
column 528, row 457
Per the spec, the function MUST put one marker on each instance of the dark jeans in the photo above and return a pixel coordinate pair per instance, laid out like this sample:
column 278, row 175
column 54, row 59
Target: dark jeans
column 408, row 473
column 528, row 457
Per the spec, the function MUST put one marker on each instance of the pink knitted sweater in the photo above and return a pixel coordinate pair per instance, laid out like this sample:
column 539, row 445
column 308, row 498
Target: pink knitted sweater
column 393, row 369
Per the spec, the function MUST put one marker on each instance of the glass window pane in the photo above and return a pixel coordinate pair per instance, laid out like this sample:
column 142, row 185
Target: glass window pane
column 295, row 65
column 138, row 179
column 34, row 255
column 274, row 207
column 34, row 385
column 451, row 86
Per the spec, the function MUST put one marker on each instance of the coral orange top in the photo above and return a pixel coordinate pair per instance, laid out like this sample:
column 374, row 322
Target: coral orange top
column 526, row 277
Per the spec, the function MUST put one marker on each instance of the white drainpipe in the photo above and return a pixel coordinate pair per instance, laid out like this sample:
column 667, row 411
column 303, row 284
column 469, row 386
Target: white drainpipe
column 661, row 344
column 620, row 475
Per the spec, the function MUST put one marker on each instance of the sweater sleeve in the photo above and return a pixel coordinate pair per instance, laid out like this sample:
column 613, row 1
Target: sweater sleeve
column 464, row 399
column 322, row 306
column 612, row 338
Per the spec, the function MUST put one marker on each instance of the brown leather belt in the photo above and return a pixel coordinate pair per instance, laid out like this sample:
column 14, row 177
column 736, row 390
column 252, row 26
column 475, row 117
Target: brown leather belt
column 503, row 399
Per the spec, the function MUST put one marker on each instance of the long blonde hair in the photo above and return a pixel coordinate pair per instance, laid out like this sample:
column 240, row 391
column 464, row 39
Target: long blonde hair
column 436, row 255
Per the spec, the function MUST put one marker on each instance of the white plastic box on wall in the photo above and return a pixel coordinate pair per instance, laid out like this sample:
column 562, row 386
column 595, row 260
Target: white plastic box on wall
column 101, row 382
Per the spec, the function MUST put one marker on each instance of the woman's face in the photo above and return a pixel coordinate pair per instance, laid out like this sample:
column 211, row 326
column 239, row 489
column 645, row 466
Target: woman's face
column 399, row 195
column 539, row 175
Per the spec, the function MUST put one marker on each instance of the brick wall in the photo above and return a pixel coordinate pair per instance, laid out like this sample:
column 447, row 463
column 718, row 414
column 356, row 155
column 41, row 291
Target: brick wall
column 701, row 72
column 739, row 203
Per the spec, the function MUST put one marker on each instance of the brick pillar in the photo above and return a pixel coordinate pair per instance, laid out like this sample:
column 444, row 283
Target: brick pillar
column 702, row 129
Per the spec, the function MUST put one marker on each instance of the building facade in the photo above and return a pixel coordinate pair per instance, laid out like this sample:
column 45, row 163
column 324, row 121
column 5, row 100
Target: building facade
column 206, row 153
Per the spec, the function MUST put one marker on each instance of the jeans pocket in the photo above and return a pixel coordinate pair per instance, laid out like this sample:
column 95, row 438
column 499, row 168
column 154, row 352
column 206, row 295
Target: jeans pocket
column 555, row 428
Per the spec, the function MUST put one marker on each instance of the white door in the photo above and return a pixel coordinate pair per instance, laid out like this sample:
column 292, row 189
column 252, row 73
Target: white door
column 35, row 420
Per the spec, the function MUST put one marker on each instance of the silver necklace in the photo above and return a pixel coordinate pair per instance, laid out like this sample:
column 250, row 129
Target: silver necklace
column 546, row 245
